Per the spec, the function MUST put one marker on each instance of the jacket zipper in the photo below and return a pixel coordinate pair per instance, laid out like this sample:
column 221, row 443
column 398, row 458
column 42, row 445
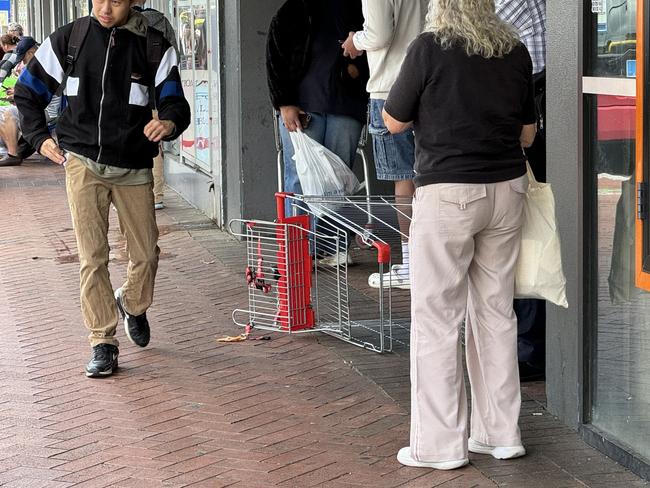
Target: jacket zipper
column 111, row 42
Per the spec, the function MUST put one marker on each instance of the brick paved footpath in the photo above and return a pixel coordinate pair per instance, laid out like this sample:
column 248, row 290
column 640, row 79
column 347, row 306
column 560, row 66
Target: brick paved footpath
column 187, row 411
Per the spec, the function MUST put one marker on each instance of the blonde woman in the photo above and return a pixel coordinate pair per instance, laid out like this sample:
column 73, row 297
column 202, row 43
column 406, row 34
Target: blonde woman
column 466, row 88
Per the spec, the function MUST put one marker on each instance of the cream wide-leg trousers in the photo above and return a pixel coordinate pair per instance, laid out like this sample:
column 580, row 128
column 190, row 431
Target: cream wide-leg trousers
column 464, row 244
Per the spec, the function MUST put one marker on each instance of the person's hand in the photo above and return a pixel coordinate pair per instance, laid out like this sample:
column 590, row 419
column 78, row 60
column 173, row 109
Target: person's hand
column 156, row 129
column 52, row 151
column 349, row 49
column 290, row 117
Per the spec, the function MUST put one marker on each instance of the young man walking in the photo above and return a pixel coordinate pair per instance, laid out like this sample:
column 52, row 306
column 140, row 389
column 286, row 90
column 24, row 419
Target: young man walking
column 389, row 27
column 107, row 140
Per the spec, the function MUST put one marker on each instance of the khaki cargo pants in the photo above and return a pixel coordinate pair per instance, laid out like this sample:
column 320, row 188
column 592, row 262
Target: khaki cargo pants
column 89, row 198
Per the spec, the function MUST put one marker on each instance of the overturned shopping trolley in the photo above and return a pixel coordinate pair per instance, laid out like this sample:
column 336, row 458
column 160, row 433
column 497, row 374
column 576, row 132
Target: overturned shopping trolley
column 298, row 275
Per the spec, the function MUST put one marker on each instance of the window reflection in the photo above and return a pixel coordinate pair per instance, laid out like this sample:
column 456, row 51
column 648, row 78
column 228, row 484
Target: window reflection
column 614, row 155
column 82, row 8
column 621, row 383
column 614, row 45
column 200, row 38
column 186, row 35
column 194, row 46
column 193, row 37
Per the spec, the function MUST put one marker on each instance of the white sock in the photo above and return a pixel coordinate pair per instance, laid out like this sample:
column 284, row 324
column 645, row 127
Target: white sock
column 403, row 270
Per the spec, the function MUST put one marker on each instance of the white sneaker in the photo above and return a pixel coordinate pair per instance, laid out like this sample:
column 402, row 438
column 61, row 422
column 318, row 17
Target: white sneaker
column 497, row 452
column 404, row 457
column 337, row 259
column 395, row 278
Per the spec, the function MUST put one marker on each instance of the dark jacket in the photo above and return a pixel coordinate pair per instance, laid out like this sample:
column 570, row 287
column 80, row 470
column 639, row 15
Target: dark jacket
column 107, row 95
column 288, row 46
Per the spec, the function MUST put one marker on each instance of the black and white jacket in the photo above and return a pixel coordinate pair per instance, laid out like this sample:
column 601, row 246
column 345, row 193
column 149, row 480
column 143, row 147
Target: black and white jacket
column 106, row 95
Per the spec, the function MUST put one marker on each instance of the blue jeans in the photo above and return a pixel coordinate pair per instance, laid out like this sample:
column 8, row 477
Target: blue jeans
column 338, row 133
column 394, row 153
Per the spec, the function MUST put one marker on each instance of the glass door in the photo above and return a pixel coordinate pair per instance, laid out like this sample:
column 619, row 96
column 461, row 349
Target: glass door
column 617, row 306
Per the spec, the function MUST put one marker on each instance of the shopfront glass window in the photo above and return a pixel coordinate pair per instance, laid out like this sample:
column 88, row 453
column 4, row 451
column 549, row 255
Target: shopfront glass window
column 201, row 85
column 620, row 381
column 612, row 51
column 215, row 96
column 186, row 66
column 81, row 8
column 76, row 9
column 195, row 64
column 22, row 14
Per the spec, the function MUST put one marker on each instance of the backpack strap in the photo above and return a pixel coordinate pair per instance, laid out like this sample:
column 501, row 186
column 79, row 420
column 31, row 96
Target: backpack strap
column 80, row 29
column 154, row 56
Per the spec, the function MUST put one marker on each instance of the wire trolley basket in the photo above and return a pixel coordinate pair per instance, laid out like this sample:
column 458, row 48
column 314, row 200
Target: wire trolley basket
column 298, row 277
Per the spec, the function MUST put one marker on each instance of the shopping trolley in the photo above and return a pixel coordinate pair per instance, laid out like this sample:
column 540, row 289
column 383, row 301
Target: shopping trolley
column 291, row 290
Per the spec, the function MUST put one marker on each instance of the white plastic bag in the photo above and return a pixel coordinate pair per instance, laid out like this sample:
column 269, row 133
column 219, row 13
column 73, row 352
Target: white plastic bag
column 538, row 273
column 321, row 172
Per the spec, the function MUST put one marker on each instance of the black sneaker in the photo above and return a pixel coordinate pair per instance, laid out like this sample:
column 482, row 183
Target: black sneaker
column 103, row 361
column 136, row 327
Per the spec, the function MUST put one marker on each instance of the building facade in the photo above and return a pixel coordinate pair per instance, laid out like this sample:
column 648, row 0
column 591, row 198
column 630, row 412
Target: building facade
column 598, row 350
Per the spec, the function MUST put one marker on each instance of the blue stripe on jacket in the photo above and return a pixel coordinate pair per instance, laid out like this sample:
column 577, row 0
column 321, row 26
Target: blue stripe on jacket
column 36, row 85
column 171, row 88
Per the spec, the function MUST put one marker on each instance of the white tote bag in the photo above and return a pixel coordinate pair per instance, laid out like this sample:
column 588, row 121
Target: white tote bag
column 538, row 273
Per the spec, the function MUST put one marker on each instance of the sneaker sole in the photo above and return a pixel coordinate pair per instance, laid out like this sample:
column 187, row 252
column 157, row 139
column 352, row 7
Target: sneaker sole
column 374, row 283
column 101, row 374
column 497, row 452
column 387, row 285
column 126, row 327
column 442, row 466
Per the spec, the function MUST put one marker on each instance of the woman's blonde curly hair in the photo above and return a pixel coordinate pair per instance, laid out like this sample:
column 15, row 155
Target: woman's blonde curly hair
column 472, row 24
